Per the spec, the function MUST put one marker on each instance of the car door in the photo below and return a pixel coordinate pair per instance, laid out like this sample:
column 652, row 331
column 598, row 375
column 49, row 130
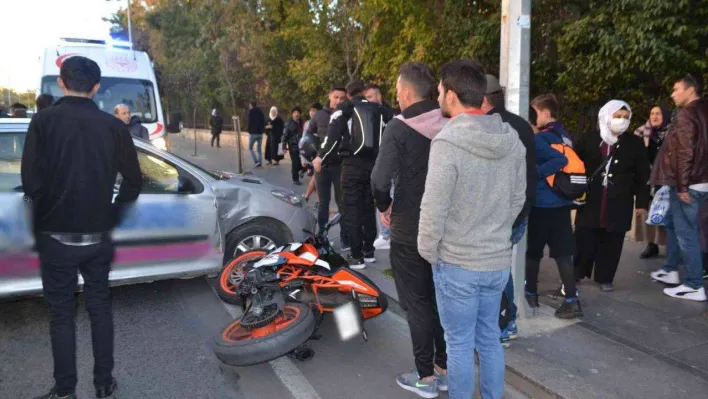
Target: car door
column 171, row 231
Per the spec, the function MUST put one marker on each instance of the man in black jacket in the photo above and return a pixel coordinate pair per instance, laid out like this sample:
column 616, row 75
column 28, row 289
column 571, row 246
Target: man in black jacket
column 494, row 104
column 403, row 156
column 256, row 128
column 358, row 147
column 331, row 172
column 72, row 156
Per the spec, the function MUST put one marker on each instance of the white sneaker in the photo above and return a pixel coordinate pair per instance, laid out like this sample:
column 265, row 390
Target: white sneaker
column 666, row 277
column 382, row 243
column 685, row 292
column 369, row 258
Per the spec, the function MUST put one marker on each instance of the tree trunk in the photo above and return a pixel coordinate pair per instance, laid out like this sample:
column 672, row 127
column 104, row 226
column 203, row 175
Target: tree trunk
column 194, row 118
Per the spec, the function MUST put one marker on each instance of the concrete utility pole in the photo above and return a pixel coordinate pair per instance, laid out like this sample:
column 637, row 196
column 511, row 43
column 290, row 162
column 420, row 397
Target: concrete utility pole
column 514, row 71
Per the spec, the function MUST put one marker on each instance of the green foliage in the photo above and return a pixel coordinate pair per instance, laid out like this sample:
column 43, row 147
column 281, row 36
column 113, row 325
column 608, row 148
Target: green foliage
column 290, row 52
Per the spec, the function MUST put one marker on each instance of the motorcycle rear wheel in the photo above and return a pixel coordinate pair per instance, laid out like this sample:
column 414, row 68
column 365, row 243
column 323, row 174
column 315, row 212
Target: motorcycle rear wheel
column 239, row 346
column 227, row 283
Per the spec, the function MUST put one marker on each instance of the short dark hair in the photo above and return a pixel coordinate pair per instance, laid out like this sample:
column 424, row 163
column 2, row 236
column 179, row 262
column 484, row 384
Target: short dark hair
column 298, row 109
column 355, row 88
column 316, row 106
column 694, row 80
column 80, row 74
column 496, row 99
column 372, row 86
column 44, row 101
column 338, row 88
column 421, row 78
column 18, row 106
column 547, row 101
column 467, row 79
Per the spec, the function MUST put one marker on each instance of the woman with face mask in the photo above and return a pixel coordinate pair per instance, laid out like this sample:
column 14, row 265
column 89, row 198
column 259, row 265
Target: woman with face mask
column 618, row 168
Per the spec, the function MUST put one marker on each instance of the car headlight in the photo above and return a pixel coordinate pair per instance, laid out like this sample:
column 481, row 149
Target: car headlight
column 160, row 143
column 287, row 196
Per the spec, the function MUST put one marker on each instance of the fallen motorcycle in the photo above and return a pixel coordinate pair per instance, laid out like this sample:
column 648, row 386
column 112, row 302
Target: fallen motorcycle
column 284, row 296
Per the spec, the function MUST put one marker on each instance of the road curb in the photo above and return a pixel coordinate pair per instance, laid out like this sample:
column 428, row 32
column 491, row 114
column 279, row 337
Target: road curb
column 514, row 377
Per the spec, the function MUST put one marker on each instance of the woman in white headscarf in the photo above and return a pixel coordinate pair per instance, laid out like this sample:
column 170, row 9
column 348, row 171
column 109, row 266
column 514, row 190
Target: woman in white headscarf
column 617, row 166
column 274, row 132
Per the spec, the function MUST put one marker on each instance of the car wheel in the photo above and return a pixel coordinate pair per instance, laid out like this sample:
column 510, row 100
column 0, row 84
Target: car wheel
column 261, row 236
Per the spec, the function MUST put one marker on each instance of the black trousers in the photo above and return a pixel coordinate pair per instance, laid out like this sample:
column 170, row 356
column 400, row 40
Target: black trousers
column 330, row 176
column 552, row 227
column 295, row 170
column 413, row 277
column 60, row 265
column 359, row 216
column 216, row 137
column 599, row 248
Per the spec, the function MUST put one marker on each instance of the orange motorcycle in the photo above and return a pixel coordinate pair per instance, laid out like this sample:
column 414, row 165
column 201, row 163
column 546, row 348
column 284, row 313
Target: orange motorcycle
column 284, row 296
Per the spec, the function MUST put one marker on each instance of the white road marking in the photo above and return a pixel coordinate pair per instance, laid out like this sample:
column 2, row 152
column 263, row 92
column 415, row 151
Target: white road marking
column 284, row 368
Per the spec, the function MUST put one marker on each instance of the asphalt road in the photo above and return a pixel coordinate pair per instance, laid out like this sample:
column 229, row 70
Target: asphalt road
column 164, row 332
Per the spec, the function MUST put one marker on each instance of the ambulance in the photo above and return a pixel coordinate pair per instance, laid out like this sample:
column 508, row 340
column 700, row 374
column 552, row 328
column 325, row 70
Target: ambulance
column 127, row 77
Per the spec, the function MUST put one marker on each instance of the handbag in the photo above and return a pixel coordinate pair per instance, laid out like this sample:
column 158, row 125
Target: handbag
column 280, row 150
column 659, row 207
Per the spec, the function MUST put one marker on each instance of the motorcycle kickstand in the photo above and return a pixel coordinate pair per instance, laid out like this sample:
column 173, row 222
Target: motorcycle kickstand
column 302, row 353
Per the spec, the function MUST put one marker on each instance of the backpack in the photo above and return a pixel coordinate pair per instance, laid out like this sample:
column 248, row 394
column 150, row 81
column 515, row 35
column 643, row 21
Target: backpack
column 571, row 182
column 365, row 129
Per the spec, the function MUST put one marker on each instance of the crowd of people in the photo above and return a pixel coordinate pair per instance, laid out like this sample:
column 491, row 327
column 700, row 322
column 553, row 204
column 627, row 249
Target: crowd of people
column 458, row 180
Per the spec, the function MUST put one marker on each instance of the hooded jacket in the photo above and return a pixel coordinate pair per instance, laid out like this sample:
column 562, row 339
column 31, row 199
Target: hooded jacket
column 137, row 129
column 475, row 188
column 403, row 157
column 548, row 162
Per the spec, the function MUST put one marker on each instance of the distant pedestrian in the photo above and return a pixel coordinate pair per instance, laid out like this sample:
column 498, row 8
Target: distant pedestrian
column 274, row 135
column 403, row 156
column 44, row 101
column 474, row 191
column 654, row 134
column 682, row 164
column 618, row 166
column 3, row 112
column 494, row 103
column 549, row 219
column 136, row 128
column 72, row 155
column 291, row 138
column 306, row 162
column 19, row 110
column 256, row 129
column 216, row 122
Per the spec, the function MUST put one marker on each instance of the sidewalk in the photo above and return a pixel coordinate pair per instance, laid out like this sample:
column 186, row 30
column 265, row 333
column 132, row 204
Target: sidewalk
column 632, row 343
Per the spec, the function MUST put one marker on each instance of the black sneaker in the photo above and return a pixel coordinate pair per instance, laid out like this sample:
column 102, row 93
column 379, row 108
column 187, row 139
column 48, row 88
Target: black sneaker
column 651, row 251
column 53, row 395
column 356, row 264
column 569, row 310
column 297, row 183
column 107, row 391
column 532, row 299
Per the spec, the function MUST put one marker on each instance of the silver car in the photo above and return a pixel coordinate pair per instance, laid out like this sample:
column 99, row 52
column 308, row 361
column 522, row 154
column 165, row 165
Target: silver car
column 186, row 223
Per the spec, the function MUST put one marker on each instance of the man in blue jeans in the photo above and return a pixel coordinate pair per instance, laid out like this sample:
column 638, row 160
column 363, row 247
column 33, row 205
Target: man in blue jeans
column 474, row 190
column 256, row 127
column 682, row 164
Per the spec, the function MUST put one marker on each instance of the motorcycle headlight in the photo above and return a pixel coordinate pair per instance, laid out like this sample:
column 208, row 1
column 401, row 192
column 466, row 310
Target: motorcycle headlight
column 160, row 143
column 287, row 196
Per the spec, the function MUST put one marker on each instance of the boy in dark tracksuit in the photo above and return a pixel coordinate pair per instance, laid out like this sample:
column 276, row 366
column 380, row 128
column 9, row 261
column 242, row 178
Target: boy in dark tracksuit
column 549, row 219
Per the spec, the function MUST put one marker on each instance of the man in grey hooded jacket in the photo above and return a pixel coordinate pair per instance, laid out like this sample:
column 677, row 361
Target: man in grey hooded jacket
column 475, row 188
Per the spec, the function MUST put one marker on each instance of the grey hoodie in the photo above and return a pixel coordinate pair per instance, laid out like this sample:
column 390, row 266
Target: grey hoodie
column 475, row 188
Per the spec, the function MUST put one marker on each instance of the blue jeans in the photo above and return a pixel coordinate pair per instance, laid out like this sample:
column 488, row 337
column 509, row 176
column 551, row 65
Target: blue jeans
column 682, row 237
column 468, row 303
column 257, row 140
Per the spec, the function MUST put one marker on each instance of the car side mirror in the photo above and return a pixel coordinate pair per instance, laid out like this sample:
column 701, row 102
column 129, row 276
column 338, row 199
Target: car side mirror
column 174, row 123
column 185, row 186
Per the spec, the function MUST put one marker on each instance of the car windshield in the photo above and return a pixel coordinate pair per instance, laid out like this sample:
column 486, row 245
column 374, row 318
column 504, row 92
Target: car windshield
column 138, row 94
column 11, row 145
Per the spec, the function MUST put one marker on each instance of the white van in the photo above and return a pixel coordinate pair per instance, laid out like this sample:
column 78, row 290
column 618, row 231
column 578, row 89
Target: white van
column 127, row 77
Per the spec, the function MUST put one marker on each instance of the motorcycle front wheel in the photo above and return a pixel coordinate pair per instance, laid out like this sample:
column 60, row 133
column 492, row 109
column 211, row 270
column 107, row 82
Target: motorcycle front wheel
column 239, row 346
column 233, row 274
